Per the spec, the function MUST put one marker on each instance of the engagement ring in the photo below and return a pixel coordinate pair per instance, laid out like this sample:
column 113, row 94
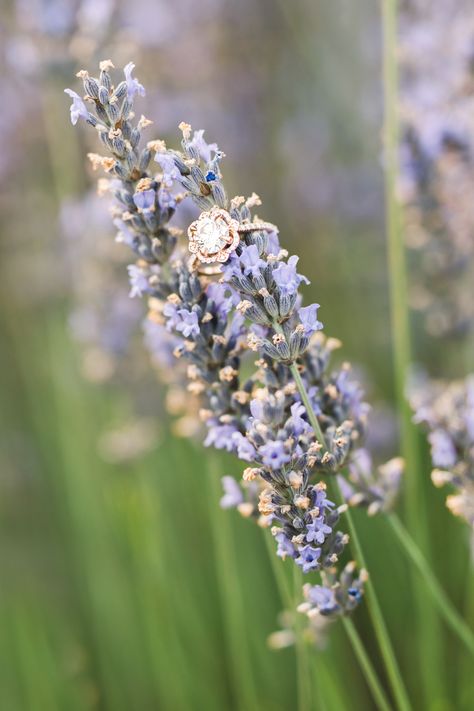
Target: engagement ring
column 215, row 234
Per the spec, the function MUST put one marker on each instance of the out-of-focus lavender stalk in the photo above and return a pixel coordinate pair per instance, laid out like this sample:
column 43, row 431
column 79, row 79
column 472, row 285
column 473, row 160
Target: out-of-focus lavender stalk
column 437, row 161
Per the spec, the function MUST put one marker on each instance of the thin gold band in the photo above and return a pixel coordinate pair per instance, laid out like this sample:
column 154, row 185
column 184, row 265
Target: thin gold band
column 257, row 226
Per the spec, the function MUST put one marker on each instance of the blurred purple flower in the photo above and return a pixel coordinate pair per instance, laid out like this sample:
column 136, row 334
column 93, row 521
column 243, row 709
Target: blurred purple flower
column 232, row 493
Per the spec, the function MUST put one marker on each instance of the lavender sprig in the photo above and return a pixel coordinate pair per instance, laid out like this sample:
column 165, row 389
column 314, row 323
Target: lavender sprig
column 263, row 418
column 316, row 427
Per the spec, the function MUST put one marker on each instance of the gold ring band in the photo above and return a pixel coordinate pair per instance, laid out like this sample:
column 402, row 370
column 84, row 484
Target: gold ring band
column 215, row 235
column 256, row 227
column 195, row 265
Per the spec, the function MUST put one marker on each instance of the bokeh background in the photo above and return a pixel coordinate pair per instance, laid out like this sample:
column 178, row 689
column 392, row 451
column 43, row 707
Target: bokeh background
column 123, row 584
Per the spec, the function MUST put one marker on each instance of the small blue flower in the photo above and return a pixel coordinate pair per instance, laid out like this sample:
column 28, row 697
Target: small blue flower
column 323, row 598
column 286, row 277
column 317, row 530
column 168, row 166
column 145, row 200
column 210, row 176
column 188, row 323
column 78, row 107
column 170, row 311
column 204, row 149
column 166, row 199
column 133, row 85
column 274, row 454
column 232, row 267
column 285, row 546
column 321, row 501
column 308, row 318
column 124, row 234
column 443, row 451
column 138, row 281
column 245, row 449
column 273, row 244
column 297, row 423
column 220, row 437
column 221, row 298
column 256, row 408
column 308, row 558
column 233, row 495
column 251, row 262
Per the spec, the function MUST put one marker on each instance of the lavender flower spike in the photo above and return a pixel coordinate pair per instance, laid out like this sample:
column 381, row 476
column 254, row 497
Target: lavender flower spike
column 255, row 307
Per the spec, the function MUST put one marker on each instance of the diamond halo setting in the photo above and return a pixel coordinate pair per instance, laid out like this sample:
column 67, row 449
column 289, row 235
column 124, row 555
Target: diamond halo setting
column 213, row 236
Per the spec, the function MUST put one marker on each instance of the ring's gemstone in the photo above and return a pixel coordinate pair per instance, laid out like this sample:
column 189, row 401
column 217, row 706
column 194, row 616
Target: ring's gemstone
column 213, row 236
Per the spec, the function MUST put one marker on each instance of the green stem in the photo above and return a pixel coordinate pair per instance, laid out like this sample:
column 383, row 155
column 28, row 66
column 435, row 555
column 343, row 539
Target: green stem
column 306, row 402
column 354, row 638
column 427, row 638
column 278, row 572
column 375, row 612
column 291, row 602
column 366, row 665
column 302, row 659
column 439, row 596
column 243, row 681
column 393, row 671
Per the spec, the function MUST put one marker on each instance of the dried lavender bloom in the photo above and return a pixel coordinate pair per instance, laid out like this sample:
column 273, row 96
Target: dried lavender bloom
column 447, row 412
column 438, row 161
column 339, row 595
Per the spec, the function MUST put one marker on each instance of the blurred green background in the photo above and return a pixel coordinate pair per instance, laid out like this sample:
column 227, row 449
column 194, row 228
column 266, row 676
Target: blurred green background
column 123, row 584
